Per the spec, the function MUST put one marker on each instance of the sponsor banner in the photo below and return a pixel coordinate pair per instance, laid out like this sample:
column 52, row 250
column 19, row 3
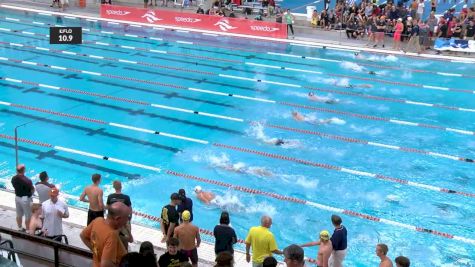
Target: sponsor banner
column 453, row 44
column 198, row 21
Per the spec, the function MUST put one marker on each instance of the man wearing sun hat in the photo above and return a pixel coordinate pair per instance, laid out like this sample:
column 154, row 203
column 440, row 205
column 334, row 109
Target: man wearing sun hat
column 54, row 210
column 189, row 237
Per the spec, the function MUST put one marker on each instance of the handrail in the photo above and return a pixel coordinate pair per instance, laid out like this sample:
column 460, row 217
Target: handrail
column 11, row 254
column 47, row 242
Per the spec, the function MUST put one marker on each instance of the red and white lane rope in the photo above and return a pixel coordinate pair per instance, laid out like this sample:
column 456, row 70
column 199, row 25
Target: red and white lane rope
column 297, row 130
column 112, row 124
column 365, row 142
column 357, row 115
column 345, row 170
column 121, row 99
column 235, row 61
column 375, row 118
column 379, row 98
column 174, row 86
column 252, row 191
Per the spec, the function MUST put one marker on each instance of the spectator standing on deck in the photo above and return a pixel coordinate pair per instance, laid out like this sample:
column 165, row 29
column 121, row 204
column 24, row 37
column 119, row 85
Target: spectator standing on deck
column 93, row 195
column 339, row 242
column 170, row 218
column 186, row 204
column 189, row 237
column 102, row 236
column 381, row 252
column 23, row 191
column 414, row 37
column 224, row 234
column 125, row 233
column 262, row 241
column 54, row 210
column 43, row 188
column 289, row 20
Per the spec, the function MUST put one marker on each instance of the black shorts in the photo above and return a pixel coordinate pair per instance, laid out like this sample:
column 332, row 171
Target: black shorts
column 191, row 254
column 91, row 215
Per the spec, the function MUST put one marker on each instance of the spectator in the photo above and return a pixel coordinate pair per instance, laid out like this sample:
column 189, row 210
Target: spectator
column 94, row 198
column 36, row 224
column 23, row 191
column 339, row 242
column 381, row 251
column 125, row 232
column 294, row 256
column 262, row 241
column 43, row 187
column 414, row 38
column 200, row 10
column 289, row 20
column 269, row 262
column 149, row 258
column 380, row 30
column 170, row 217
column 402, row 261
column 271, row 7
column 189, row 237
column 224, row 234
column 186, row 204
column 102, row 236
column 325, row 249
column 131, row 259
column 54, row 210
column 314, row 21
column 470, row 31
column 414, row 6
column 433, row 5
column 172, row 257
column 224, row 259
column 397, row 34
column 420, row 9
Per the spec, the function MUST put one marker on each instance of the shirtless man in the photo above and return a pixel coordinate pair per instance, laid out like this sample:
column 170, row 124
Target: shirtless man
column 204, row 196
column 297, row 116
column 189, row 236
column 381, row 251
column 324, row 99
column 93, row 195
column 325, row 249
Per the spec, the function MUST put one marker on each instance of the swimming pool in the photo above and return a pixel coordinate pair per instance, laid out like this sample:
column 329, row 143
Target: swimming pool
column 179, row 109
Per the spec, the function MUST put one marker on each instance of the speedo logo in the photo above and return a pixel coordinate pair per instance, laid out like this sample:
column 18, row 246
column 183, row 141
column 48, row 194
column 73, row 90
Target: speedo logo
column 184, row 19
column 117, row 12
column 263, row 28
column 224, row 25
column 150, row 16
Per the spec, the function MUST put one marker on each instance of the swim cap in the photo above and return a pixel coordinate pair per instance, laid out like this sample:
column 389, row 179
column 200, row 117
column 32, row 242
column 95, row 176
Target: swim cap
column 197, row 189
column 186, row 215
column 324, row 235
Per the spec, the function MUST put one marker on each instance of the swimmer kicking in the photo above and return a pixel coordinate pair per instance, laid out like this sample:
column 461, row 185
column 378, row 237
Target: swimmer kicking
column 299, row 117
column 312, row 96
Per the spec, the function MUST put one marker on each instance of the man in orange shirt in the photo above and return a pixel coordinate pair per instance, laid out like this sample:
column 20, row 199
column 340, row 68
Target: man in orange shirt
column 102, row 236
column 188, row 233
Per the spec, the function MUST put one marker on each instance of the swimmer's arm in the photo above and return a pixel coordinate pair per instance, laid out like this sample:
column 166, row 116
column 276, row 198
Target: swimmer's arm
column 83, row 196
column 311, row 244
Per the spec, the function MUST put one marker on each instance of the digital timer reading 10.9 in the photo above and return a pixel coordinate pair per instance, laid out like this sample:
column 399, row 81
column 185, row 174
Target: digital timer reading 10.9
column 65, row 35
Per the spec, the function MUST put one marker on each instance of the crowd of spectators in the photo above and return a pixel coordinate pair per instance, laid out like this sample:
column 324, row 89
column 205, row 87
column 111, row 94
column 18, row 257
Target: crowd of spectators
column 108, row 237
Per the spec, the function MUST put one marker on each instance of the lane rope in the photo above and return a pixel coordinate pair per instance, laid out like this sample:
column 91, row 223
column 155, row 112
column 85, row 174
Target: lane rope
column 262, row 193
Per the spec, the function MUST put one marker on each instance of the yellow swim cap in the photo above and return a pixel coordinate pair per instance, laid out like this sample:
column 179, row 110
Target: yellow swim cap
column 324, row 235
column 186, row 215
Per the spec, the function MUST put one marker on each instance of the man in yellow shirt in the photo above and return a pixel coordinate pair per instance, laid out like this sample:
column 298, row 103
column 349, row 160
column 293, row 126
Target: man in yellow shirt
column 262, row 241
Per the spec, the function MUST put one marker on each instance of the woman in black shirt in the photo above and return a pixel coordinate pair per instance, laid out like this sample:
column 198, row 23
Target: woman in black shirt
column 224, row 234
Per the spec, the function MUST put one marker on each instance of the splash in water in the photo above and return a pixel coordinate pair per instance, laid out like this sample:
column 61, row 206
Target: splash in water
column 257, row 131
column 352, row 66
column 223, row 162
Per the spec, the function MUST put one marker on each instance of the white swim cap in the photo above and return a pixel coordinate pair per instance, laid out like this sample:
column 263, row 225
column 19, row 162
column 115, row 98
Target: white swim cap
column 197, row 189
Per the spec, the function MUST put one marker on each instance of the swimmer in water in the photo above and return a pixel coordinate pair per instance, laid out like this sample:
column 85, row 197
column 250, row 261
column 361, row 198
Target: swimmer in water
column 372, row 72
column 299, row 117
column 364, row 85
column 326, row 100
column 203, row 196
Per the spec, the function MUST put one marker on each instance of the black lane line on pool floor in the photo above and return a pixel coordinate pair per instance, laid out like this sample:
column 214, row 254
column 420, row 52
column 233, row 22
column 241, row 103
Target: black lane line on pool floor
column 52, row 154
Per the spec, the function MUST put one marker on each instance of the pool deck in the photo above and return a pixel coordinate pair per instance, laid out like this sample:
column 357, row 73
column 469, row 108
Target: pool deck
column 304, row 34
column 73, row 226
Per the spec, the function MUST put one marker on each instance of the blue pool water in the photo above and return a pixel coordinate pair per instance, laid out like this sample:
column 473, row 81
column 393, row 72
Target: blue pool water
column 221, row 64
